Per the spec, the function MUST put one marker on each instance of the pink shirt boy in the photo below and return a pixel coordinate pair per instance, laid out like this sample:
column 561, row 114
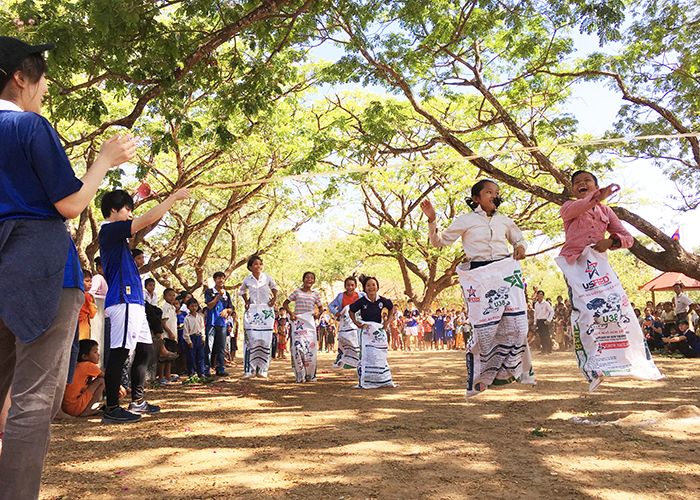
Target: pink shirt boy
column 585, row 223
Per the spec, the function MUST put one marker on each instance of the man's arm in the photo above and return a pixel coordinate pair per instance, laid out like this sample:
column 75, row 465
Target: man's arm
column 212, row 303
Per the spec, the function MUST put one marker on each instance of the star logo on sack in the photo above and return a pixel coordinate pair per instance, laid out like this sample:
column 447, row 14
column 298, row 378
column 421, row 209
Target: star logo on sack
column 471, row 291
column 515, row 280
column 591, row 269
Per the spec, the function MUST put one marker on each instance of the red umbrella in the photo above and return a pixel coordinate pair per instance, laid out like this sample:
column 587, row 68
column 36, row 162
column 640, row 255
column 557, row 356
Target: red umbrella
column 665, row 281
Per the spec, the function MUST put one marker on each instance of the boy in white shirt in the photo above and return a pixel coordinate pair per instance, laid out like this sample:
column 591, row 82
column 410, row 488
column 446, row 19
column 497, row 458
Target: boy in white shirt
column 169, row 320
column 193, row 335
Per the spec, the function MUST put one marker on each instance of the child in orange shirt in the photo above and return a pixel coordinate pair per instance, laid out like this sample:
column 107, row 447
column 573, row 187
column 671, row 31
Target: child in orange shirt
column 88, row 382
column 88, row 311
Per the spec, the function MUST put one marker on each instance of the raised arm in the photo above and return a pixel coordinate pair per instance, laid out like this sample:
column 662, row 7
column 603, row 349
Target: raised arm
column 157, row 212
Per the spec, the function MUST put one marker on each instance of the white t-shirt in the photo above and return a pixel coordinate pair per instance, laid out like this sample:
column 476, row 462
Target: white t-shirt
column 682, row 303
column 544, row 310
column 170, row 317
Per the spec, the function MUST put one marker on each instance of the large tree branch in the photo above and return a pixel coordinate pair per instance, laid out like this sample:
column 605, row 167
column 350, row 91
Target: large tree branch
column 265, row 10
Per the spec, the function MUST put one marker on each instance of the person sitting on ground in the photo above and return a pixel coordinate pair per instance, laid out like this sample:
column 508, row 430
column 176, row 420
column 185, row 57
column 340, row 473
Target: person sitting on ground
column 685, row 341
column 84, row 393
column 670, row 320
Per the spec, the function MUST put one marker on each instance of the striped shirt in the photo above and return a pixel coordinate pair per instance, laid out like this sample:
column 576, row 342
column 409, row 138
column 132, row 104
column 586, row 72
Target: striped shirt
column 304, row 302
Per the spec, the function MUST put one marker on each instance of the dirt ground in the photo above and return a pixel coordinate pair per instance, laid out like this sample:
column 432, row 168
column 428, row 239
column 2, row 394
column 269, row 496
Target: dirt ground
column 275, row 439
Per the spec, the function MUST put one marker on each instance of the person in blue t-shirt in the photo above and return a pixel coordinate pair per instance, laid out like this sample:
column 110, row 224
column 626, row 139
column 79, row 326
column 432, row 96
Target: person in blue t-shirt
column 124, row 302
column 219, row 308
column 439, row 330
column 41, row 284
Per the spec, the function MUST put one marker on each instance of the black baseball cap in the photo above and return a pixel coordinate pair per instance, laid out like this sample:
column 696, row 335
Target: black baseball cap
column 14, row 51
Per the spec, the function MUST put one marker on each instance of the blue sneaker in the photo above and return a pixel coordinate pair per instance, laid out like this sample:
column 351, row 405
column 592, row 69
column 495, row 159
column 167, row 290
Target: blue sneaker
column 144, row 408
column 119, row 415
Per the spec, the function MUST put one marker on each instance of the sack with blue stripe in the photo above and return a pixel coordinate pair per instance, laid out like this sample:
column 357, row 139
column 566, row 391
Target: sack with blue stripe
column 348, row 342
column 497, row 352
column 304, row 347
column 258, row 323
column 373, row 369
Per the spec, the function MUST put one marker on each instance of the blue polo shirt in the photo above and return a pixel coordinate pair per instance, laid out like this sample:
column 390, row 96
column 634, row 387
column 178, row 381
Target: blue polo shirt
column 121, row 273
column 213, row 314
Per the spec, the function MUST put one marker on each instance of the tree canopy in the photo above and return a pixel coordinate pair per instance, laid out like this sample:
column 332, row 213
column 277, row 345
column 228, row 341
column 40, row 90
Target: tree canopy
column 221, row 93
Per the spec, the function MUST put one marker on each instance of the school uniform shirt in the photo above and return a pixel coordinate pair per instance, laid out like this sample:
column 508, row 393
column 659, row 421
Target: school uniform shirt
column 214, row 317
column 304, row 302
column 371, row 311
column 682, row 303
column 585, row 223
column 170, row 317
column 150, row 298
column 123, row 278
column 484, row 238
column 258, row 290
column 543, row 310
column 194, row 325
column 39, row 258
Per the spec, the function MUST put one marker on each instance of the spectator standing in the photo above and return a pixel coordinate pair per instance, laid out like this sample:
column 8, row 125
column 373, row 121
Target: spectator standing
column 683, row 302
column 544, row 313
column 125, row 303
column 219, row 308
column 40, row 278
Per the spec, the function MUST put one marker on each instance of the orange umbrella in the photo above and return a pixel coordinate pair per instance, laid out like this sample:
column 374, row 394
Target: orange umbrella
column 665, row 281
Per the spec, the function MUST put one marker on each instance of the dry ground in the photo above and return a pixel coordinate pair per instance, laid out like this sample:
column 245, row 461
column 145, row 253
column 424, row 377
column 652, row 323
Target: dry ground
column 274, row 439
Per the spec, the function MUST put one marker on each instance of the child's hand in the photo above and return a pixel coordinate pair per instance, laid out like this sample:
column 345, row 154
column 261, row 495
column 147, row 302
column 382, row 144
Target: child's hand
column 189, row 344
column 204, row 341
column 603, row 245
column 292, row 316
column 607, row 191
column 181, row 194
column 519, row 253
column 428, row 209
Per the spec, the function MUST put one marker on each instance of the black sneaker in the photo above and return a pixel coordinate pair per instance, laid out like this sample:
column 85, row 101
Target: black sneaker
column 119, row 415
column 221, row 373
column 144, row 407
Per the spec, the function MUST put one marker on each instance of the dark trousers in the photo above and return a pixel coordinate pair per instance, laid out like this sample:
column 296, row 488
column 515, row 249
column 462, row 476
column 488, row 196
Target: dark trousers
column 195, row 356
column 683, row 347
column 322, row 334
column 544, row 334
column 215, row 348
column 113, row 372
